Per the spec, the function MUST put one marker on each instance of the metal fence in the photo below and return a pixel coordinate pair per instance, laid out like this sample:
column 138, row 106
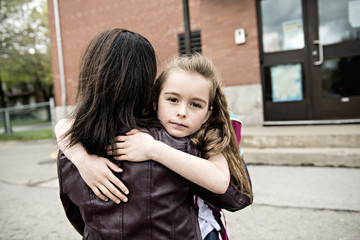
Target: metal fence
column 6, row 113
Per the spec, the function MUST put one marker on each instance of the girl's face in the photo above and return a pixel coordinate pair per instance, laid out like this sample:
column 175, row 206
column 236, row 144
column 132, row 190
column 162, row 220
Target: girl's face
column 183, row 104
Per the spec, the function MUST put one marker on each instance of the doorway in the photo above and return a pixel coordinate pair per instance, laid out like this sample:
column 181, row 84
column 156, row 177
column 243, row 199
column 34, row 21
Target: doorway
column 310, row 59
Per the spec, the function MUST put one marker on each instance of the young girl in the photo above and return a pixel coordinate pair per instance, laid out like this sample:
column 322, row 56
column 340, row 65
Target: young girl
column 182, row 94
column 183, row 111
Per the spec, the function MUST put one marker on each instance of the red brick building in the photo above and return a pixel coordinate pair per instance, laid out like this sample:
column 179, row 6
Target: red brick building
column 254, row 91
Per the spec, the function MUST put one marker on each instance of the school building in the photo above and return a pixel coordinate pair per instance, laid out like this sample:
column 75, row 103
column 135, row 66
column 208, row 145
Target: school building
column 282, row 61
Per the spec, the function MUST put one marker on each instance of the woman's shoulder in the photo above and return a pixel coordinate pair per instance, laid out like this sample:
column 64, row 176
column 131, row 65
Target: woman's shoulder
column 182, row 144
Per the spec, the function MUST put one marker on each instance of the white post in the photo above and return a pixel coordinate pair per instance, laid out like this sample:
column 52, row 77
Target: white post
column 8, row 129
column 60, row 56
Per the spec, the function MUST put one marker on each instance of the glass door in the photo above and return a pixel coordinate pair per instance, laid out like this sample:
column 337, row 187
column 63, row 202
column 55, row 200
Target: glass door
column 284, row 65
column 310, row 59
column 335, row 67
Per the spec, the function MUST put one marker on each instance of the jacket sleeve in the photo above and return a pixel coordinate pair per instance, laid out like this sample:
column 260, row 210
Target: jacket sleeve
column 232, row 200
column 72, row 211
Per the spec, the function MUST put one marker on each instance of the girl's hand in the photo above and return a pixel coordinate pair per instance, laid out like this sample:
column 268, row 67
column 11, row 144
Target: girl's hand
column 135, row 146
column 96, row 172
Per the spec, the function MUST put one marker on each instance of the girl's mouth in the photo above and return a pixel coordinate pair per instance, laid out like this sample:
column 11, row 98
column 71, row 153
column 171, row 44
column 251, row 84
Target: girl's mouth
column 178, row 125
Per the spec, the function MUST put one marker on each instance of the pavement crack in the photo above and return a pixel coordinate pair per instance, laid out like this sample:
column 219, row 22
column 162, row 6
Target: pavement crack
column 307, row 208
column 35, row 184
column 8, row 183
column 28, row 184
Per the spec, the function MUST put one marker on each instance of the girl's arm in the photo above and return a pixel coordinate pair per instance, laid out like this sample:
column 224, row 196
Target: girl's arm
column 102, row 182
column 212, row 174
column 232, row 200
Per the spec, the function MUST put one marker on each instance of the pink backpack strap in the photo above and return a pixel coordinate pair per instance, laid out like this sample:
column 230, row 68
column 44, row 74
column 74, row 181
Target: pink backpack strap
column 196, row 202
column 236, row 123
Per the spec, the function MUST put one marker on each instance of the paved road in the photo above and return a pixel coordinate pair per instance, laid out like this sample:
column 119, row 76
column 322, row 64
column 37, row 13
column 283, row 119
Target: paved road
column 290, row 202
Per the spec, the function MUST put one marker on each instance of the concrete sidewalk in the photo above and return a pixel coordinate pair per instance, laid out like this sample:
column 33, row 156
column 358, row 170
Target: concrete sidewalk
column 290, row 202
column 311, row 145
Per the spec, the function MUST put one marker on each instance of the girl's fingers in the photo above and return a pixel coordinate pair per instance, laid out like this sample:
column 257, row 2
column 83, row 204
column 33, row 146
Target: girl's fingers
column 116, row 152
column 121, row 157
column 117, row 182
column 99, row 194
column 119, row 149
column 116, row 145
column 110, row 190
column 108, row 193
column 114, row 194
column 114, row 167
column 132, row 132
column 119, row 185
column 120, row 138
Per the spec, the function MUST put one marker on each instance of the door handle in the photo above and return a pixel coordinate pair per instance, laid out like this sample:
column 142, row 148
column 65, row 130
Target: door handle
column 321, row 53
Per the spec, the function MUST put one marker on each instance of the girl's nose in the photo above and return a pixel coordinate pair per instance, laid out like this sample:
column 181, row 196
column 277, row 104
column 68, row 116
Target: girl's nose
column 182, row 110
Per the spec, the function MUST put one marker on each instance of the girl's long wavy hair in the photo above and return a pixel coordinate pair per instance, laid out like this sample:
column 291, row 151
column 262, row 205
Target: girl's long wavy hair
column 217, row 134
column 115, row 89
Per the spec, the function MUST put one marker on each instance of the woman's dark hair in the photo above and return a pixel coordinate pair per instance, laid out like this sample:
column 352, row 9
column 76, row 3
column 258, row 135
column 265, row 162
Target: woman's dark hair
column 115, row 89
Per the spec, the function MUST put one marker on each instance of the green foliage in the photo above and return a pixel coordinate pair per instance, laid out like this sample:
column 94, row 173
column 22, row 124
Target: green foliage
column 26, row 68
column 13, row 23
column 24, row 45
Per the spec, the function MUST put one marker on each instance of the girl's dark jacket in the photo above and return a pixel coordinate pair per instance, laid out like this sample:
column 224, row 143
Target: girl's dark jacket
column 160, row 202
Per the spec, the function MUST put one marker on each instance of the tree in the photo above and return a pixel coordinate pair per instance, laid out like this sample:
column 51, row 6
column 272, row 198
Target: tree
column 24, row 49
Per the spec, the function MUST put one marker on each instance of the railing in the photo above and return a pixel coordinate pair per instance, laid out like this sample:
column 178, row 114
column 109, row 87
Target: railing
column 7, row 111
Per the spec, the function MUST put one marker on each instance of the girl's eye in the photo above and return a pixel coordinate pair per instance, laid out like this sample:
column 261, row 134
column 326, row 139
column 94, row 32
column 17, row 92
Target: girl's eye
column 172, row 99
column 196, row 105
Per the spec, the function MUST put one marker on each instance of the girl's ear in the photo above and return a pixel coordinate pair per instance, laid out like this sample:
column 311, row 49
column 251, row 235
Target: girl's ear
column 155, row 106
column 208, row 115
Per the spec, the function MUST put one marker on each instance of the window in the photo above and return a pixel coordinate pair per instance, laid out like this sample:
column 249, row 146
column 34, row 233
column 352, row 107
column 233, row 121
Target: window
column 195, row 42
column 282, row 25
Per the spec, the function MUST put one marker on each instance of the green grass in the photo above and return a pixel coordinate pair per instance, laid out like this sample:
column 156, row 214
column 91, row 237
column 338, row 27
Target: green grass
column 26, row 122
column 28, row 135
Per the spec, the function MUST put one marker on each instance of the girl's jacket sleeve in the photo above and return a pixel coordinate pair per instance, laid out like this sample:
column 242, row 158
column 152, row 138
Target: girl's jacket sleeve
column 232, row 199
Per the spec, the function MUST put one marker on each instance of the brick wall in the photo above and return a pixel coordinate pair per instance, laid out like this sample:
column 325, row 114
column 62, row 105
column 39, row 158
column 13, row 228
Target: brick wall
column 239, row 64
column 160, row 21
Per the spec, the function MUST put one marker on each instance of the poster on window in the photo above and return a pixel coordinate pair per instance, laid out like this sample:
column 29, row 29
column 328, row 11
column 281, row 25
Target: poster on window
column 293, row 34
column 354, row 16
column 286, row 83
column 271, row 42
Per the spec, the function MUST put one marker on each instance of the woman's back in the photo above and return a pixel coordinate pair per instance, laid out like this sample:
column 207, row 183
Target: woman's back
column 160, row 204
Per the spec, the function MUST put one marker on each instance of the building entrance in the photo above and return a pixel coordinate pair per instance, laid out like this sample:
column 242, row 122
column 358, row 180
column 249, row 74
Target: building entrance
column 310, row 59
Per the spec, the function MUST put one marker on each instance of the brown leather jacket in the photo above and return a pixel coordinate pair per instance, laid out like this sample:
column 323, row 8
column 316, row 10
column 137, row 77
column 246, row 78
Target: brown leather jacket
column 160, row 202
